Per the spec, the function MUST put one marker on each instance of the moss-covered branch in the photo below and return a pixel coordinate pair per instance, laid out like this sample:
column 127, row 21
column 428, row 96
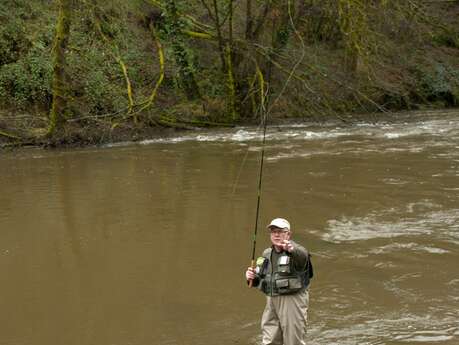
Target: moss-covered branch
column 59, row 85
column 8, row 135
column 114, row 52
column 161, row 70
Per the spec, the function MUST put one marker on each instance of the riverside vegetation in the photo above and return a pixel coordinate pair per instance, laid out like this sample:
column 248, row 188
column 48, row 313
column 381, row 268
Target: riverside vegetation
column 92, row 71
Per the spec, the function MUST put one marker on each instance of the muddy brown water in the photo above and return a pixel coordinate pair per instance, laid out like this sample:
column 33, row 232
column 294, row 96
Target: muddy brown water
column 147, row 243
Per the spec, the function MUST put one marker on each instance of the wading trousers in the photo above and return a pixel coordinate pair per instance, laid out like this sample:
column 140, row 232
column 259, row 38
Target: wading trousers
column 284, row 319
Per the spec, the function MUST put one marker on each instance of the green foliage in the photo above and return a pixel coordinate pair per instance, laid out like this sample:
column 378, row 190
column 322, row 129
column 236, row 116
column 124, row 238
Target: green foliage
column 447, row 38
column 28, row 80
column 283, row 35
column 321, row 23
column 103, row 96
column 97, row 81
column 184, row 58
column 214, row 84
column 442, row 84
column 25, row 68
column 13, row 42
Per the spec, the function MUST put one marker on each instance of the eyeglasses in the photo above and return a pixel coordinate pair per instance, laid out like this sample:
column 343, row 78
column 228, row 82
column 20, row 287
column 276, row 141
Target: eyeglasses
column 278, row 231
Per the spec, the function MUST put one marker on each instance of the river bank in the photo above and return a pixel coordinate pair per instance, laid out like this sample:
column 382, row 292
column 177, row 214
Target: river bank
column 134, row 70
column 100, row 133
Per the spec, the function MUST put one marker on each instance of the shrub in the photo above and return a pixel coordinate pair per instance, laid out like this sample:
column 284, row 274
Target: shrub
column 27, row 81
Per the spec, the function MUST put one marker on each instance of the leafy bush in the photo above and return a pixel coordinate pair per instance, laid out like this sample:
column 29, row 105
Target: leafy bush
column 442, row 84
column 447, row 38
column 13, row 42
column 28, row 80
column 25, row 67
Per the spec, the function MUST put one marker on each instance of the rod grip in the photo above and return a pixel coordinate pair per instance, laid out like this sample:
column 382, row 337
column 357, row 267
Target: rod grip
column 252, row 264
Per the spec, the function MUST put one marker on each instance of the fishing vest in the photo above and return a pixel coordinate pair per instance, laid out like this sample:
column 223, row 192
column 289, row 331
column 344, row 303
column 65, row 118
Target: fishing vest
column 282, row 277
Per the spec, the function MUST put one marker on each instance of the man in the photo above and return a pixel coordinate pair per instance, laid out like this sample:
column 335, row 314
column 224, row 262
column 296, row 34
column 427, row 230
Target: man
column 283, row 274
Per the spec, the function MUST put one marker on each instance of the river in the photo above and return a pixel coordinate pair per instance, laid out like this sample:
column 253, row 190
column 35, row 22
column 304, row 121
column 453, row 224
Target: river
column 147, row 243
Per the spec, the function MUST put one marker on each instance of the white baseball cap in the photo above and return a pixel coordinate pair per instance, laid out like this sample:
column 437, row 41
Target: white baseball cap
column 280, row 223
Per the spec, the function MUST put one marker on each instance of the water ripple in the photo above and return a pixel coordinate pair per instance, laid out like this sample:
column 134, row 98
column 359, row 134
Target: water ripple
column 443, row 224
column 409, row 328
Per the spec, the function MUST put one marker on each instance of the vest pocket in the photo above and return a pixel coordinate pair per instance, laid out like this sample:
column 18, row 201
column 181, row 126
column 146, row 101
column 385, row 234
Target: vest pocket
column 295, row 283
column 288, row 285
column 282, row 283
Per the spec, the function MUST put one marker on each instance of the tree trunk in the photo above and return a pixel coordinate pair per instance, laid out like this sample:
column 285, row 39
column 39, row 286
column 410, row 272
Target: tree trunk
column 59, row 87
column 354, row 27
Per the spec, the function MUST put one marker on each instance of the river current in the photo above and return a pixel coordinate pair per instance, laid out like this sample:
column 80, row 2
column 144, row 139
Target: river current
column 147, row 243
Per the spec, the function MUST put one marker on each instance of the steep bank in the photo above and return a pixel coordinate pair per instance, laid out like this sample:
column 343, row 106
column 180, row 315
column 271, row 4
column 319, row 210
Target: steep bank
column 132, row 66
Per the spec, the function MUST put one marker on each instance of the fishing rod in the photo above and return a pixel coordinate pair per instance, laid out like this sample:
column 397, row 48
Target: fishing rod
column 260, row 178
column 265, row 112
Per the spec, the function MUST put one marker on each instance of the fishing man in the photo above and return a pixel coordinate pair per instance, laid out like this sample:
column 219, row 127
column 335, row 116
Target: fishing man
column 283, row 274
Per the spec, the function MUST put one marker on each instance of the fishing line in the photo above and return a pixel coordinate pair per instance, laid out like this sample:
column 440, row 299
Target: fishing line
column 236, row 182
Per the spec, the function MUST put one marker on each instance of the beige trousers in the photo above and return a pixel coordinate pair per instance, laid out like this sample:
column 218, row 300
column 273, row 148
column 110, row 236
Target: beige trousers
column 284, row 319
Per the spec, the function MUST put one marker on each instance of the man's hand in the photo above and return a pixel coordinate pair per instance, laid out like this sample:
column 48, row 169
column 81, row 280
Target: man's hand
column 287, row 246
column 250, row 273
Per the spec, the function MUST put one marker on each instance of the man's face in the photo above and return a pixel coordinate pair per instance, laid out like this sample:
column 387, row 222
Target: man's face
column 278, row 236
